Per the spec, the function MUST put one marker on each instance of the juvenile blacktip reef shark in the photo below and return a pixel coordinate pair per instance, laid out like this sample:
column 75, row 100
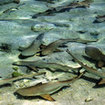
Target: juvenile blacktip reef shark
column 10, row 80
column 53, row 47
column 2, row 2
column 44, row 90
column 90, row 69
column 34, row 47
column 85, row 3
column 40, row 64
column 68, row 7
column 99, row 19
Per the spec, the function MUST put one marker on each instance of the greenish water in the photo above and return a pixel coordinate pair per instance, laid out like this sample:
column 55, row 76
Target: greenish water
column 20, row 27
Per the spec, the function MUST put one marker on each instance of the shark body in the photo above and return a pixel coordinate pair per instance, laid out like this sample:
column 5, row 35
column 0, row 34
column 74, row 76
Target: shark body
column 41, row 64
column 44, row 90
column 34, row 47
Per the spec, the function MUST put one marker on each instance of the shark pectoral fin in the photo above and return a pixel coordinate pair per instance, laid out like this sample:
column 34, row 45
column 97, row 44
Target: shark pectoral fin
column 58, row 50
column 102, row 81
column 47, row 97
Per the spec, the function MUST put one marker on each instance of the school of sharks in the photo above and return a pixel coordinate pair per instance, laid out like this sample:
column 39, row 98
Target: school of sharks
column 37, row 48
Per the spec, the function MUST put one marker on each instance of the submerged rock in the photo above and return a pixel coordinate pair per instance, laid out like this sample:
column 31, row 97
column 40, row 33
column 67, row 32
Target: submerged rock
column 43, row 27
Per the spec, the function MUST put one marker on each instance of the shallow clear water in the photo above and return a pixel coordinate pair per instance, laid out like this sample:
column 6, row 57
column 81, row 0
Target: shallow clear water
column 20, row 26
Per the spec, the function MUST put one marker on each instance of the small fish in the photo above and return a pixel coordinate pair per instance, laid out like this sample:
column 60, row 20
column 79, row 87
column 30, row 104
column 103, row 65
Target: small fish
column 48, row 1
column 10, row 80
column 90, row 69
column 52, row 47
column 34, row 47
column 85, row 3
column 4, row 47
column 50, row 11
column 99, row 19
column 41, row 64
column 2, row 2
column 44, row 90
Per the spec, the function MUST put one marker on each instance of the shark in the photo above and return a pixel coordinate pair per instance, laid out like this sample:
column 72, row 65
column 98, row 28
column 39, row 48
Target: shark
column 53, row 47
column 59, row 9
column 90, row 69
column 41, row 64
column 34, row 47
column 99, row 19
column 11, row 80
column 45, row 90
